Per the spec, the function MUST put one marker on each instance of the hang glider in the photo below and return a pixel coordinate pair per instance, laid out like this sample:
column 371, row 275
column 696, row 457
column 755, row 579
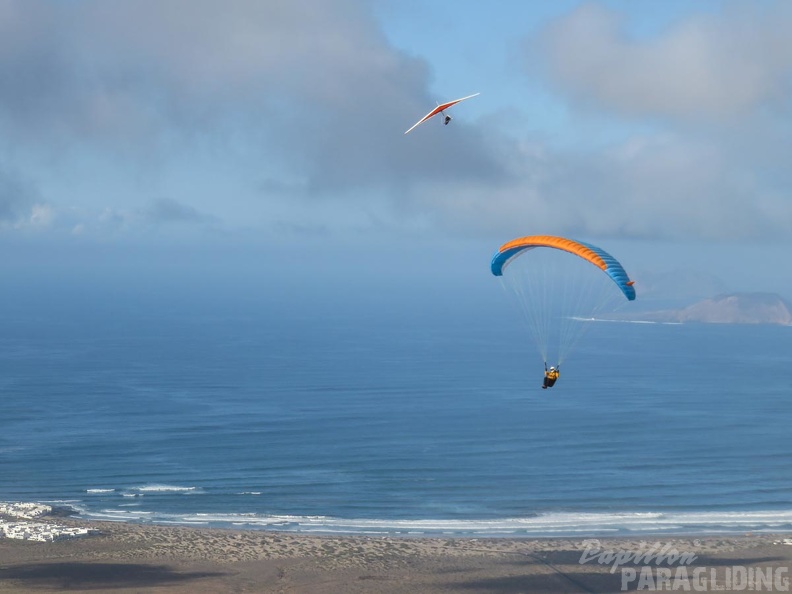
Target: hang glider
column 440, row 109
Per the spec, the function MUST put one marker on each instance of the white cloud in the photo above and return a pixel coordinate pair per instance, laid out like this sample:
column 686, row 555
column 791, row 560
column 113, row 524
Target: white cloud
column 41, row 215
column 708, row 100
column 313, row 100
column 707, row 66
column 312, row 89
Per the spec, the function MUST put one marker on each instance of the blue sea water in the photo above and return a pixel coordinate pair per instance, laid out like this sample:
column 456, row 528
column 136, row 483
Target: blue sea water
column 388, row 420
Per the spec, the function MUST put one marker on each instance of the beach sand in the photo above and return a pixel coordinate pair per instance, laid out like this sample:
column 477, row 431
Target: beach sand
column 176, row 559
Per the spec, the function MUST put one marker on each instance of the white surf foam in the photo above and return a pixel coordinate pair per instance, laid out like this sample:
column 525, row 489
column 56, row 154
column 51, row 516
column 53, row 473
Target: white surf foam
column 550, row 524
column 157, row 488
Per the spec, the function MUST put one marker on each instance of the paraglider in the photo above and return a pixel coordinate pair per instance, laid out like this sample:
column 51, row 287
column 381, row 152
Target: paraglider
column 440, row 109
column 550, row 376
column 559, row 288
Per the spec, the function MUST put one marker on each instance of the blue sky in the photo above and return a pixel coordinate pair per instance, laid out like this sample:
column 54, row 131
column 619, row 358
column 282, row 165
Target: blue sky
column 250, row 135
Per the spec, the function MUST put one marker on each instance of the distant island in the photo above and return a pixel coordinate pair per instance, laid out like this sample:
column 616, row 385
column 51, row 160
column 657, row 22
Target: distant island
column 734, row 308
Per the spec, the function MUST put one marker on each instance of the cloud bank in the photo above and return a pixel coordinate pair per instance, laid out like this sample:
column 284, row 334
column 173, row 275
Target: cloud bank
column 297, row 110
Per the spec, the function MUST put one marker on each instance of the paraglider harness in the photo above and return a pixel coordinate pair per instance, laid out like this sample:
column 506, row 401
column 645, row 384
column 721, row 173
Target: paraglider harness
column 550, row 377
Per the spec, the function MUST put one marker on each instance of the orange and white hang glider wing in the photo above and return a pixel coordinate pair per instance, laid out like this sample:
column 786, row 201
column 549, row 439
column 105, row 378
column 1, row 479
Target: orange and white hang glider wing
column 438, row 109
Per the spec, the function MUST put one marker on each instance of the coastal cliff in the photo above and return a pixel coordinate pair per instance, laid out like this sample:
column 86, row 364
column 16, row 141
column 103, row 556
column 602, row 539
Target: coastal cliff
column 734, row 308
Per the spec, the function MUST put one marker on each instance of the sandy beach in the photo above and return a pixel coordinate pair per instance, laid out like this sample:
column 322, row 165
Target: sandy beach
column 147, row 558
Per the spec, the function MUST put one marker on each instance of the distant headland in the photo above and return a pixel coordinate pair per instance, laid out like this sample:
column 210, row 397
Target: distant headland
column 733, row 308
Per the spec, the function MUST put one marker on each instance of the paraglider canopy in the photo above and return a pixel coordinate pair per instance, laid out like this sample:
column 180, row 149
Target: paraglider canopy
column 591, row 253
column 559, row 286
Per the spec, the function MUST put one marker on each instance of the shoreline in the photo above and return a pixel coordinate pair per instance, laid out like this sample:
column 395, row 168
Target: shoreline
column 19, row 518
column 118, row 556
column 552, row 524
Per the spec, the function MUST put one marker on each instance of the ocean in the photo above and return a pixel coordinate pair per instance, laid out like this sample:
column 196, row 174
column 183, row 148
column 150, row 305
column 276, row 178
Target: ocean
column 393, row 419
